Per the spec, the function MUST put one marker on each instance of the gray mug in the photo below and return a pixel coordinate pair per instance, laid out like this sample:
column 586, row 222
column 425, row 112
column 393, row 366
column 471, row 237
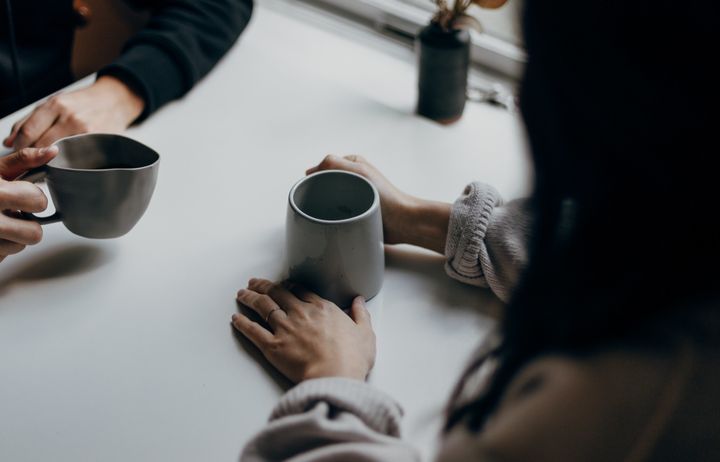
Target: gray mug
column 334, row 236
column 100, row 184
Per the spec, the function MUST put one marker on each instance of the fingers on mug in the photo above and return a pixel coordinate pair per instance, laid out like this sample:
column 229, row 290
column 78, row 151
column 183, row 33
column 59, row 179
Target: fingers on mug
column 34, row 176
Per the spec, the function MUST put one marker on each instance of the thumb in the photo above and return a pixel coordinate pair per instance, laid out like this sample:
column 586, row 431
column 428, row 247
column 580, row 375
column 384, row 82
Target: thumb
column 12, row 165
column 359, row 312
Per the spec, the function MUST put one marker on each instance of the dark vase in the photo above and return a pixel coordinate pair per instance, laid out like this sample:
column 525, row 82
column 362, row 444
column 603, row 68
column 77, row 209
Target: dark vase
column 443, row 61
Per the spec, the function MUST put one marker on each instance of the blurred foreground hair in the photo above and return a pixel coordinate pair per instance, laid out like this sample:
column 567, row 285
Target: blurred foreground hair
column 619, row 100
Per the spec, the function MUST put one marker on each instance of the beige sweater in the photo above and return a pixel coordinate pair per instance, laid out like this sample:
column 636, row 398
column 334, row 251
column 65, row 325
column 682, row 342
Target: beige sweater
column 621, row 404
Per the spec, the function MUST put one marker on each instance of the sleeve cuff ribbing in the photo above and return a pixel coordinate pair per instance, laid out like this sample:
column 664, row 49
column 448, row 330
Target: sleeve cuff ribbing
column 376, row 409
column 469, row 221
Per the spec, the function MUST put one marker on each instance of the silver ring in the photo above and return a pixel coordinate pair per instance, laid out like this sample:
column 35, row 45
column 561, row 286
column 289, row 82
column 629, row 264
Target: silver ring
column 267, row 318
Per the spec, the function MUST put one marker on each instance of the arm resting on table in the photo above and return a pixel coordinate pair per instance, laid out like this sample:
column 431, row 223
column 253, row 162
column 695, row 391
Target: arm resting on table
column 180, row 45
column 332, row 419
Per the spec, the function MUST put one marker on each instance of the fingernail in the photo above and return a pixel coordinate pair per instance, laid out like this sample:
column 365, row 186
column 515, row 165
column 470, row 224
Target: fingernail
column 240, row 293
column 234, row 317
column 252, row 281
column 48, row 150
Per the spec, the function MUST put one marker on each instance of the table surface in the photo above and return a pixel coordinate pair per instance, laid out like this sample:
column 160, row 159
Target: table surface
column 121, row 349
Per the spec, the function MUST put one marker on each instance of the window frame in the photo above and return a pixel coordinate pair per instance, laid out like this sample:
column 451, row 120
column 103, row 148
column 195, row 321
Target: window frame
column 405, row 19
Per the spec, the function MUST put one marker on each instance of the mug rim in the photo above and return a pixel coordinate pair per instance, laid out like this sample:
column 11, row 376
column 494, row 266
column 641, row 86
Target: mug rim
column 103, row 135
column 374, row 206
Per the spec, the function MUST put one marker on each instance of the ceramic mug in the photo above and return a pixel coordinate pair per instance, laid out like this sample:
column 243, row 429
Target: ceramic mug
column 100, row 184
column 334, row 236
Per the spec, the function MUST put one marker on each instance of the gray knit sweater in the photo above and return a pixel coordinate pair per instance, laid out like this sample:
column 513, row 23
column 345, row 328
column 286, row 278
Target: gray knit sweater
column 620, row 404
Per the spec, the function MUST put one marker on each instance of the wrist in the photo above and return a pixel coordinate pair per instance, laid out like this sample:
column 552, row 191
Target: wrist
column 122, row 98
column 427, row 223
column 323, row 372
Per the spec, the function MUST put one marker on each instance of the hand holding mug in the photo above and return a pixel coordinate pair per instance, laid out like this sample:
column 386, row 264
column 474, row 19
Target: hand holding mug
column 306, row 336
column 406, row 219
column 100, row 184
column 20, row 196
column 393, row 202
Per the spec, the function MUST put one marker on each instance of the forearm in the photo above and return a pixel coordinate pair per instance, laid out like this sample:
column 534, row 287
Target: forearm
column 425, row 224
column 181, row 43
column 485, row 240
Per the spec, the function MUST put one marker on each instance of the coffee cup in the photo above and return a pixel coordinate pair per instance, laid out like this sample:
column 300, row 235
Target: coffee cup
column 100, row 184
column 334, row 236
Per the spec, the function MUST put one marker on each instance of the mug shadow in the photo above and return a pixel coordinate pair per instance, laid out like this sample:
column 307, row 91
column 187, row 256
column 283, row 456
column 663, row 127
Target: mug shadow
column 449, row 293
column 58, row 262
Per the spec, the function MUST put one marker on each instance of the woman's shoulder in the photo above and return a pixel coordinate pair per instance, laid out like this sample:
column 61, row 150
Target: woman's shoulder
column 620, row 403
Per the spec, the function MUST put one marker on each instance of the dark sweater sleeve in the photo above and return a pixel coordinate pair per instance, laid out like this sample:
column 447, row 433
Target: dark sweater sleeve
column 181, row 43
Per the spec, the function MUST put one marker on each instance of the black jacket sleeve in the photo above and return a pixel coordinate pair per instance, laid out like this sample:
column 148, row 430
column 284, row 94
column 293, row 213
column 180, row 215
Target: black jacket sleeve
column 181, row 43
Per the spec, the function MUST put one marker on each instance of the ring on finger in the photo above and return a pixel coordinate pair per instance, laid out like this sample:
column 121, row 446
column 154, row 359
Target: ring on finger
column 267, row 318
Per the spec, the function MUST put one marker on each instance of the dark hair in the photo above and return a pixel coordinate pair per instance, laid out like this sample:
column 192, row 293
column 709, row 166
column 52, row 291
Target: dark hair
column 617, row 99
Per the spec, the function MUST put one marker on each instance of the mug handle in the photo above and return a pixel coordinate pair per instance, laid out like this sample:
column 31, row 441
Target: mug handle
column 33, row 176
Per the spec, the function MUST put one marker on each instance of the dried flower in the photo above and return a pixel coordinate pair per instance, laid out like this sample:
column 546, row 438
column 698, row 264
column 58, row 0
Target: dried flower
column 457, row 17
column 490, row 4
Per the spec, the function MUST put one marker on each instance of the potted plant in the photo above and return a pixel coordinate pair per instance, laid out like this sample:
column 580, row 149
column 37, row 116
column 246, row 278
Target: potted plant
column 443, row 49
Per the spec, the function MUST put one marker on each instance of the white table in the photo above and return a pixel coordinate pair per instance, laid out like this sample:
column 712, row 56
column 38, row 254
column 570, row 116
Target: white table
column 122, row 350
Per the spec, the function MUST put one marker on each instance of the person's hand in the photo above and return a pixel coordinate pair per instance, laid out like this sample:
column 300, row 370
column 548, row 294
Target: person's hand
column 107, row 106
column 309, row 337
column 406, row 219
column 394, row 203
column 16, row 196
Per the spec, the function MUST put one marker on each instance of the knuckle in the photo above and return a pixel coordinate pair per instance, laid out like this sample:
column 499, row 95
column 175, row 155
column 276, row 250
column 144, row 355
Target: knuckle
column 281, row 322
column 57, row 103
column 40, row 201
column 26, row 131
column 78, row 123
column 274, row 290
column 329, row 160
column 266, row 300
column 260, row 285
column 34, row 234
column 25, row 154
column 302, row 316
column 276, row 345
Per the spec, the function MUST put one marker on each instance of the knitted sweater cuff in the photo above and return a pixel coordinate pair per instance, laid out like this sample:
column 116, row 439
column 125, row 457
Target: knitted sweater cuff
column 376, row 409
column 469, row 221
